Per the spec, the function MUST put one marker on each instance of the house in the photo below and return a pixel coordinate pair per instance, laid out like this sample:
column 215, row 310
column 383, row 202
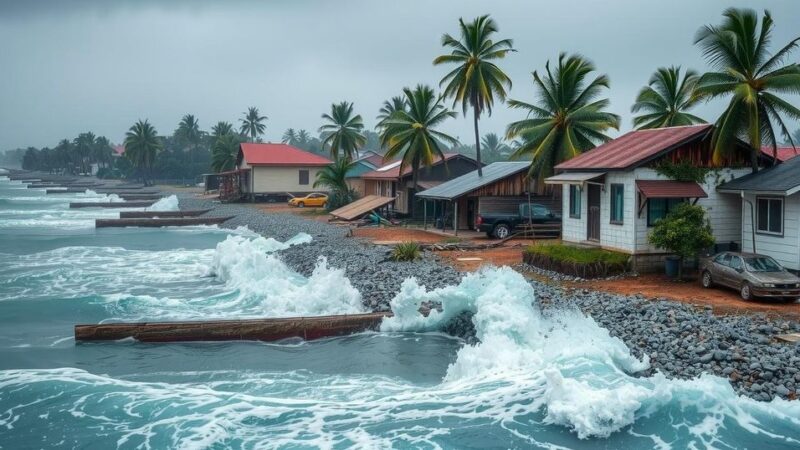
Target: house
column 367, row 162
column 770, row 211
column 613, row 194
column 501, row 189
column 783, row 153
column 387, row 180
column 274, row 171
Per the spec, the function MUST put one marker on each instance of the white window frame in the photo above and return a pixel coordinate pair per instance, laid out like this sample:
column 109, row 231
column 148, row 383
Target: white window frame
column 766, row 230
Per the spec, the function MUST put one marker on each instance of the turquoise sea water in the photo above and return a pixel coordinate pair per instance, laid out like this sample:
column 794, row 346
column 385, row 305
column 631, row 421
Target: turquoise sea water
column 547, row 382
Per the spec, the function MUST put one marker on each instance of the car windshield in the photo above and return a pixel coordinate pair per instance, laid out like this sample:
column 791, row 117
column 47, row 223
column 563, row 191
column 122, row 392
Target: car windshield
column 762, row 264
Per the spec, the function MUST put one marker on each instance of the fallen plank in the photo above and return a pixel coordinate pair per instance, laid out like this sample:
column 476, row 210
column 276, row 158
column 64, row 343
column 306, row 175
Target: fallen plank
column 274, row 329
column 160, row 222
column 151, row 214
column 141, row 204
column 361, row 207
column 790, row 337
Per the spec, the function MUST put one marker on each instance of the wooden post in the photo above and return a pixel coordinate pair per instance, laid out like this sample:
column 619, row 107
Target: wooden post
column 455, row 218
column 424, row 213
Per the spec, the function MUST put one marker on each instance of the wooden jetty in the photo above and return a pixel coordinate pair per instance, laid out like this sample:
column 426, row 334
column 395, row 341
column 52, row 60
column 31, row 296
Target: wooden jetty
column 139, row 204
column 273, row 329
column 160, row 222
column 152, row 214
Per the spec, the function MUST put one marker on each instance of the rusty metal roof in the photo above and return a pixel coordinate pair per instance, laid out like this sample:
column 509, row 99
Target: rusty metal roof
column 670, row 189
column 635, row 148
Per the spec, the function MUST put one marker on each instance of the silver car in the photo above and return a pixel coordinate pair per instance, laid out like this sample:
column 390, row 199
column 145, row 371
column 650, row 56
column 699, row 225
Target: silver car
column 751, row 274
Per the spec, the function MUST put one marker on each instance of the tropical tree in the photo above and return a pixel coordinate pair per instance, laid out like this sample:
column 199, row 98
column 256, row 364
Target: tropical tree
column 389, row 107
column 189, row 133
column 65, row 155
column 343, row 131
column 567, row 118
column 303, row 138
column 334, row 176
column 289, row 137
column 220, row 129
column 796, row 138
column 494, row 148
column 224, row 152
column 141, row 146
column 752, row 77
column 102, row 150
column 666, row 99
column 253, row 124
column 412, row 135
column 83, row 147
column 476, row 80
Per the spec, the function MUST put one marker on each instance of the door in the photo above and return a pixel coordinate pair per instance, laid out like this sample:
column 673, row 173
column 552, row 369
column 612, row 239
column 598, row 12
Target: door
column 593, row 214
column 471, row 213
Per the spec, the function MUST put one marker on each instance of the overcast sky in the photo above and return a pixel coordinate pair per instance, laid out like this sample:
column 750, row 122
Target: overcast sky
column 85, row 65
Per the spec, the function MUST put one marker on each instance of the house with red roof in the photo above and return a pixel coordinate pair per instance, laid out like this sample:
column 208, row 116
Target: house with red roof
column 276, row 171
column 387, row 181
column 613, row 194
column 782, row 153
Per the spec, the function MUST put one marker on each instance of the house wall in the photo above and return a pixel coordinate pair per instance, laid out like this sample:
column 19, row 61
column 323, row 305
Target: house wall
column 279, row 180
column 573, row 229
column 785, row 249
column 358, row 185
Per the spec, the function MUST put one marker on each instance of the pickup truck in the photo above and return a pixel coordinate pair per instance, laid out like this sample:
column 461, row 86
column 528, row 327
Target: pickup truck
column 501, row 225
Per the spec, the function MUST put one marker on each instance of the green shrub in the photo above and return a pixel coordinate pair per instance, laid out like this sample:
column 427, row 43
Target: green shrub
column 685, row 231
column 406, row 251
column 579, row 255
column 339, row 198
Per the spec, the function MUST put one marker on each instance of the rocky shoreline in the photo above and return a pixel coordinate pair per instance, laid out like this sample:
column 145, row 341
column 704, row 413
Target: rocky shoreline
column 681, row 340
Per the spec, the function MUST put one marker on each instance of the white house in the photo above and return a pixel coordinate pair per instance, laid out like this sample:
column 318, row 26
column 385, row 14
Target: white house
column 613, row 194
column 770, row 203
column 276, row 170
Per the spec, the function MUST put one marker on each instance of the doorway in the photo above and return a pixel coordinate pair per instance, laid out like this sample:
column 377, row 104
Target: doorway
column 593, row 213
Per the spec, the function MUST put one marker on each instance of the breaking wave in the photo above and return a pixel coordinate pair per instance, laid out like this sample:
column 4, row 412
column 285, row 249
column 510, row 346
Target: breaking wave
column 165, row 204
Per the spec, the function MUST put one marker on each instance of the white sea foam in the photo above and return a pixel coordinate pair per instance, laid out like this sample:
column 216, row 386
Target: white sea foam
column 165, row 204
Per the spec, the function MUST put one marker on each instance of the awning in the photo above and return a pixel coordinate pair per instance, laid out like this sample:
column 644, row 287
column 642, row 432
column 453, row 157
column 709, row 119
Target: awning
column 670, row 189
column 573, row 177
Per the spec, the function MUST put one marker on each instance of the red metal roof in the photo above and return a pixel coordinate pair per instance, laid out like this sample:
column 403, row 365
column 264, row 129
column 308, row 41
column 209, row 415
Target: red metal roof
column 392, row 173
column 670, row 189
column 280, row 155
column 633, row 148
column 784, row 153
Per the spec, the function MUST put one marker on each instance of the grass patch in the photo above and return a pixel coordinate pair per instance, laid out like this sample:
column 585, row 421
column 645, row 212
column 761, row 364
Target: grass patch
column 577, row 261
column 406, row 251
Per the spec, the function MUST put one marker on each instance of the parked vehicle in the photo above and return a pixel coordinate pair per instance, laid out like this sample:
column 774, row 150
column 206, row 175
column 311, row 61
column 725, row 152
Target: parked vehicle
column 313, row 199
column 502, row 225
column 751, row 274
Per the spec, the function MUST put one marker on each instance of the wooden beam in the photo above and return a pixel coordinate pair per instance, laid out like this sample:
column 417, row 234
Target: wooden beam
column 141, row 204
column 160, row 222
column 151, row 214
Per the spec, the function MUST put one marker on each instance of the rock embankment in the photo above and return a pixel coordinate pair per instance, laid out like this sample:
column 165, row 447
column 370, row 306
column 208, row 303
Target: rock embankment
column 680, row 339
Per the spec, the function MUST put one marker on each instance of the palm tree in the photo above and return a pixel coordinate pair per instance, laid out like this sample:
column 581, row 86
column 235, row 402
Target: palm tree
column 753, row 78
column 412, row 134
column 666, row 99
column 795, row 141
column 84, row 145
column 141, row 146
column 567, row 119
column 101, row 152
column 389, row 107
column 64, row 155
column 289, row 137
column 344, row 131
column 495, row 148
column 224, row 152
column 221, row 129
column 334, row 176
column 477, row 80
column 252, row 124
column 189, row 132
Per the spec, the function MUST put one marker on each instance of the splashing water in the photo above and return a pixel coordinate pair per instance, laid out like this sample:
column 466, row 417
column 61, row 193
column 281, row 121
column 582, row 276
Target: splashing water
column 165, row 204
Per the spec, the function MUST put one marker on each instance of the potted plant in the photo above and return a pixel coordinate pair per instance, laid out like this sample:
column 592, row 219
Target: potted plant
column 685, row 231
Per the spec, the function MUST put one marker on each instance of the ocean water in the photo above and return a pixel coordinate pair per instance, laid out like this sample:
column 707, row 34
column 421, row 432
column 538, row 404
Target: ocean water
column 533, row 382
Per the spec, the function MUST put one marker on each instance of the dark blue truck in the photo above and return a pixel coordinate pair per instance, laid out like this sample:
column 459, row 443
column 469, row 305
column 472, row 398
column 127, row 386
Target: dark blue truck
column 502, row 225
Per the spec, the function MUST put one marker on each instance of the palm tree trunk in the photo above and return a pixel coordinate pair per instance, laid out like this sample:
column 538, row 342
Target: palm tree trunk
column 414, row 178
column 754, row 158
column 476, row 114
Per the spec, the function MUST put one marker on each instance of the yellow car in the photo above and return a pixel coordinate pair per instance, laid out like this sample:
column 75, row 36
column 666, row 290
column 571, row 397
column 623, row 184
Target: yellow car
column 313, row 199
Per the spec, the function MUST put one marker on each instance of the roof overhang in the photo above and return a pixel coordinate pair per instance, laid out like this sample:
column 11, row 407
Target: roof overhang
column 794, row 190
column 579, row 178
column 670, row 189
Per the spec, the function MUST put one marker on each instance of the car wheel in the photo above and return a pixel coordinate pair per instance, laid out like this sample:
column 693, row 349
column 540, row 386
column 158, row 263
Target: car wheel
column 746, row 292
column 301, row 205
column 705, row 279
column 501, row 231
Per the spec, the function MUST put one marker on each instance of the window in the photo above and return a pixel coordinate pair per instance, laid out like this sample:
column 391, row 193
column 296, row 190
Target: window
column 723, row 259
column 736, row 263
column 617, row 203
column 574, row 201
column 304, row 177
column 658, row 208
column 769, row 216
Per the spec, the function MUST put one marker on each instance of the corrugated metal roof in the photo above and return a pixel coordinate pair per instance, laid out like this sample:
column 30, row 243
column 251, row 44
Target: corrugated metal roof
column 633, row 148
column 391, row 170
column 573, row 177
column 781, row 179
column 670, row 189
column 280, row 155
column 784, row 153
column 469, row 182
